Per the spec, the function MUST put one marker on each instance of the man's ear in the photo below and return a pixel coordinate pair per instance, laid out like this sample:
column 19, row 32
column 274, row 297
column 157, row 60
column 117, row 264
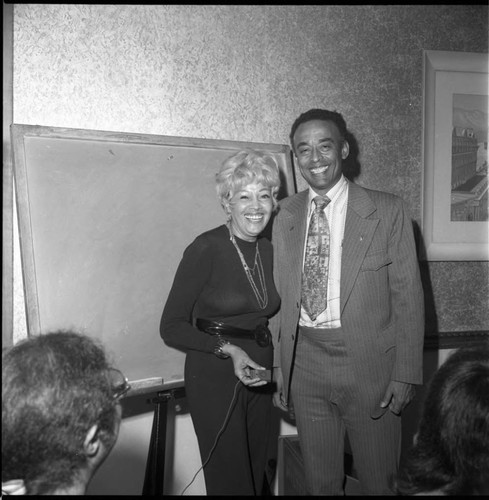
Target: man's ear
column 295, row 164
column 294, row 161
column 91, row 444
column 345, row 150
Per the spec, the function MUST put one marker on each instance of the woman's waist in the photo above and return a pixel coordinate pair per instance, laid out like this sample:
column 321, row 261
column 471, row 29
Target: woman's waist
column 260, row 333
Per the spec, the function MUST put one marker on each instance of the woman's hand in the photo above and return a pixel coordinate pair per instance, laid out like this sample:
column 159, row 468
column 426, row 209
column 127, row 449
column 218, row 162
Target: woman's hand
column 244, row 365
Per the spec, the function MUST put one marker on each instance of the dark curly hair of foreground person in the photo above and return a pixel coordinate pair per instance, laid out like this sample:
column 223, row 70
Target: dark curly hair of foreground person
column 450, row 454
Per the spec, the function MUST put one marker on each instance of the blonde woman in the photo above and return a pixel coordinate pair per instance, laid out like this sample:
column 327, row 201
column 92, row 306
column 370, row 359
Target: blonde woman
column 217, row 312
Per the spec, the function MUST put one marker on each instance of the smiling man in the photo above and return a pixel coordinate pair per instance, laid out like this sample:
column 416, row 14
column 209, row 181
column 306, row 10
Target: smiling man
column 349, row 334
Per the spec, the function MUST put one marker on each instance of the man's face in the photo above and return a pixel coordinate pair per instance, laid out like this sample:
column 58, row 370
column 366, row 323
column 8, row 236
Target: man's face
column 319, row 151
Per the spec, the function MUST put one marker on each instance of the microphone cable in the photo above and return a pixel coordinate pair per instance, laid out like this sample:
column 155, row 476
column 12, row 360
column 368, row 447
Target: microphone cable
column 221, row 430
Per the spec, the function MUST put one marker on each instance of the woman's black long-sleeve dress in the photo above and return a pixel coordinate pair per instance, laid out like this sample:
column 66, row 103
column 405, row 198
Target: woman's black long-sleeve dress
column 211, row 283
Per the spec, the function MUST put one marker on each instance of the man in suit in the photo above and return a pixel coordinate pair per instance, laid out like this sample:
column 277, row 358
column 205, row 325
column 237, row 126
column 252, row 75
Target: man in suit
column 351, row 366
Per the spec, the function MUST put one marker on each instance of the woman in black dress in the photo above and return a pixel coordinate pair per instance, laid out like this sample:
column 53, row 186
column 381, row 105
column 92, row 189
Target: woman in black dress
column 217, row 311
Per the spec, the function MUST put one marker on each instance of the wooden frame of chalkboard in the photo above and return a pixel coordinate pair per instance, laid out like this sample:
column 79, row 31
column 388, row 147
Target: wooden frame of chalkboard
column 104, row 218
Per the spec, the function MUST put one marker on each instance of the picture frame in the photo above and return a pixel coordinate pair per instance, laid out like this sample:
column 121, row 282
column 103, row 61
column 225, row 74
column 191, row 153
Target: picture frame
column 455, row 181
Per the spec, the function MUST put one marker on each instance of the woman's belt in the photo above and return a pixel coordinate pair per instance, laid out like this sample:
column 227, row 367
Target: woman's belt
column 261, row 333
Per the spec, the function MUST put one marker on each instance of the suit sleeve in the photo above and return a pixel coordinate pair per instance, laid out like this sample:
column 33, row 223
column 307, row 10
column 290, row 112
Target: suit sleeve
column 274, row 321
column 407, row 299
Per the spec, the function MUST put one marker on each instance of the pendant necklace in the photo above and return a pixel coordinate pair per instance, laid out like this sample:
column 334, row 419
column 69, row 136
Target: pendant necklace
column 262, row 300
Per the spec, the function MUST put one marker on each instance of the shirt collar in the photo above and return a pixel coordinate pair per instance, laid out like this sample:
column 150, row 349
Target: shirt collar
column 333, row 193
column 13, row 487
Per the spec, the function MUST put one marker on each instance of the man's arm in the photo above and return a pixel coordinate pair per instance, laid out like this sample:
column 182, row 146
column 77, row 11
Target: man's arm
column 408, row 309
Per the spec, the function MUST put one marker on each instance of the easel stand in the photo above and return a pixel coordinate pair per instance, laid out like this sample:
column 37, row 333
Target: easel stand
column 155, row 466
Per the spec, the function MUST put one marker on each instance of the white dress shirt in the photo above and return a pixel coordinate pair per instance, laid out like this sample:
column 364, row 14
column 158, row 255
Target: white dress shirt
column 335, row 214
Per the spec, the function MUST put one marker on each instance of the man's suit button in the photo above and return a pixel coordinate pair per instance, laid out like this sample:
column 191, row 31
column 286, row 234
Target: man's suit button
column 293, row 337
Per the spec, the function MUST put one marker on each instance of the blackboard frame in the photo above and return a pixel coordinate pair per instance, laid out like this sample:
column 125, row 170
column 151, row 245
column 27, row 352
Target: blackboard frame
column 24, row 137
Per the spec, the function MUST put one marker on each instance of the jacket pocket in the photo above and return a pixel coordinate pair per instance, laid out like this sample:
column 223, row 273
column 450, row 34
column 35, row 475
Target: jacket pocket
column 375, row 261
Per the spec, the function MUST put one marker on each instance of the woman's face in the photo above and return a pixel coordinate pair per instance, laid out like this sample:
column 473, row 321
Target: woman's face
column 250, row 209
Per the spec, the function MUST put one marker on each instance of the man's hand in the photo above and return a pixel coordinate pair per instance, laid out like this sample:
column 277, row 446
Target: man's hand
column 397, row 396
column 278, row 395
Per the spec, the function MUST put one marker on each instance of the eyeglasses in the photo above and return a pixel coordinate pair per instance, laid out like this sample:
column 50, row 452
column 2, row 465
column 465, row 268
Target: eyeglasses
column 120, row 384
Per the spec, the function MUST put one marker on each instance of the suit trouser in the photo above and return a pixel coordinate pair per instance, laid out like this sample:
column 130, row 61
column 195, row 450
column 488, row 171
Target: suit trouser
column 327, row 403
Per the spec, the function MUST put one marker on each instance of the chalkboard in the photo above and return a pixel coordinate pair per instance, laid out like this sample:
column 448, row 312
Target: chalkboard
column 104, row 218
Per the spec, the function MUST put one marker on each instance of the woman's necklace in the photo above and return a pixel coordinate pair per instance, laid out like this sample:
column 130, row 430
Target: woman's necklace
column 261, row 298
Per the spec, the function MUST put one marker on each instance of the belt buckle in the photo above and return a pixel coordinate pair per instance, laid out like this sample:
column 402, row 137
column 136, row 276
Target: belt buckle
column 210, row 327
column 262, row 335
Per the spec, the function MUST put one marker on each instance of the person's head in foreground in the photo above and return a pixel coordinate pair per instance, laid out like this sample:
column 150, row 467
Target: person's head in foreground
column 60, row 413
column 450, row 455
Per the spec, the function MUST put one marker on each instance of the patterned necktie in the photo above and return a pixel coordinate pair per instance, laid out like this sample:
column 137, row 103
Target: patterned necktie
column 315, row 274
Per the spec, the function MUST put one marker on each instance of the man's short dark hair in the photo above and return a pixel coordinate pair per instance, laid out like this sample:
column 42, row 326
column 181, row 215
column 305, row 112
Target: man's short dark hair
column 55, row 387
column 319, row 114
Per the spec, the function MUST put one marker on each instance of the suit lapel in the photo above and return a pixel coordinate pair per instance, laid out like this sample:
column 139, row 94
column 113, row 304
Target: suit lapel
column 294, row 230
column 359, row 231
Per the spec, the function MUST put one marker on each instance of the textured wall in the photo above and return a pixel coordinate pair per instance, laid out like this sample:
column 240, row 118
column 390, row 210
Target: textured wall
column 244, row 73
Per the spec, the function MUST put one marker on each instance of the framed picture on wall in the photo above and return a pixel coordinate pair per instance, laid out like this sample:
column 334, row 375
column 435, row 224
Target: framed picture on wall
column 455, row 153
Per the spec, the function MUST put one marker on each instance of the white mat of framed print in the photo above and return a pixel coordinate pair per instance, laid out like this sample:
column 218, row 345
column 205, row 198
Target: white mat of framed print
column 455, row 181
